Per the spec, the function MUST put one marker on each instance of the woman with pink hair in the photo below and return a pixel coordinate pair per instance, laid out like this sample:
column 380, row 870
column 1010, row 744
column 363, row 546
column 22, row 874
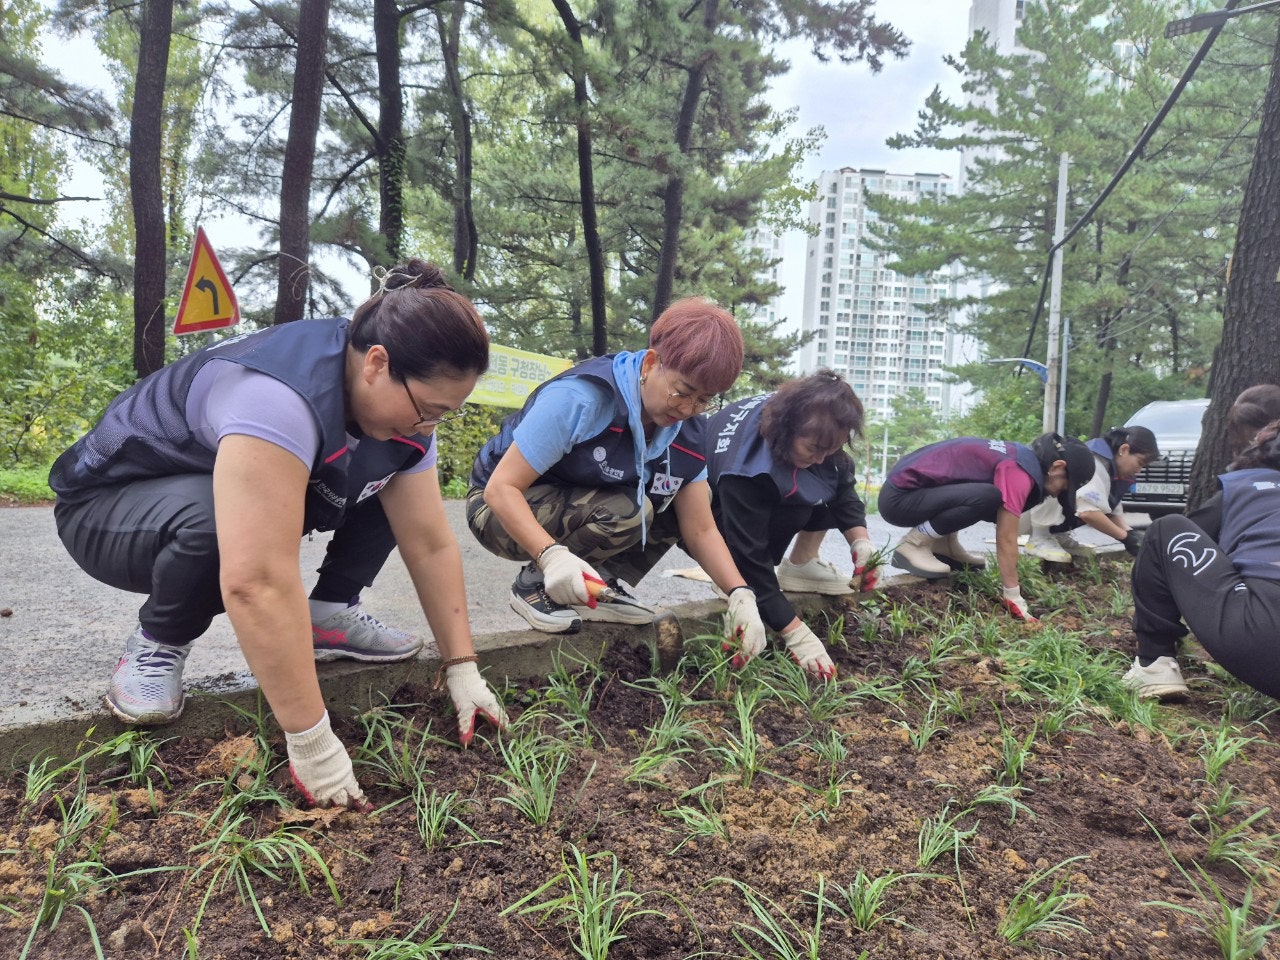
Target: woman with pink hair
column 603, row 471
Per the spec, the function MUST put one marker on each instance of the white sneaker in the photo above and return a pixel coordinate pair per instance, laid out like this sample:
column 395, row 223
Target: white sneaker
column 816, row 576
column 914, row 554
column 1160, row 681
column 1047, row 549
column 147, row 685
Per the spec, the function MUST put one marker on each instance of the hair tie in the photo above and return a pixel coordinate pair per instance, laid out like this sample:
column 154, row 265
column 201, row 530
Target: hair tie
column 383, row 276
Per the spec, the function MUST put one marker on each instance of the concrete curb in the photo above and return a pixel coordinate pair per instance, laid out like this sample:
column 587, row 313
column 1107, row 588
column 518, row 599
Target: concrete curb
column 515, row 655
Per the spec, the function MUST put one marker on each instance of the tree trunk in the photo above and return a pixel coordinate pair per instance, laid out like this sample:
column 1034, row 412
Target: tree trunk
column 390, row 144
column 1249, row 353
column 146, row 186
column 299, row 160
column 673, row 193
column 586, row 183
column 466, row 243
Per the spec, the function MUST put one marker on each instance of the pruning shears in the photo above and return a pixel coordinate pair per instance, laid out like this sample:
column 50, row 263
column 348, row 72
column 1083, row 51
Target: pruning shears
column 597, row 589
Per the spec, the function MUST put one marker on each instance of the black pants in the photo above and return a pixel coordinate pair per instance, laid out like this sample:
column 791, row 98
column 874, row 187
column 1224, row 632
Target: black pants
column 1182, row 576
column 158, row 537
column 950, row 507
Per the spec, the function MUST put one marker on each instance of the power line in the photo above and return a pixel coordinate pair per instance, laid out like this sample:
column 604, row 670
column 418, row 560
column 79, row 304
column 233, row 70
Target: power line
column 1145, row 137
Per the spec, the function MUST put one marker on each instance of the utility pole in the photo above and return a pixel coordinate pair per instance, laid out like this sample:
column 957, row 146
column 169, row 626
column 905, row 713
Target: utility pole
column 1052, row 418
column 1062, row 381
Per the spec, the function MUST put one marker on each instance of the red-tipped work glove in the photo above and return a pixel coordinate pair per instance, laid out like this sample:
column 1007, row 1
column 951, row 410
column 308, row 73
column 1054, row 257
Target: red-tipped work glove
column 1017, row 606
column 862, row 551
column 473, row 698
column 563, row 572
column 807, row 650
column 745, row 629
column 322, row 770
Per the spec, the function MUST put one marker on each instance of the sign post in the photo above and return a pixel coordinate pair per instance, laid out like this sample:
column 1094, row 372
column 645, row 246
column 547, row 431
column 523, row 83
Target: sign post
column 208, row 302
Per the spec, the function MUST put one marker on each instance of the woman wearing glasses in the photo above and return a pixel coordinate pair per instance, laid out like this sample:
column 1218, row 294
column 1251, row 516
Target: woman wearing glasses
column 603, row 471
column 197, row 482
column 779, row 470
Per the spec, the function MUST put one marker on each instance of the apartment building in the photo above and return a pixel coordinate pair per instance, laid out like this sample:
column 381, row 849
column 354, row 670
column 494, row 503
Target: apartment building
column 877, row 327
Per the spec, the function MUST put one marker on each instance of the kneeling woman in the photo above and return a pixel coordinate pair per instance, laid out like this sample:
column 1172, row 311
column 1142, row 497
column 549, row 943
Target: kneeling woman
column 198, row 481
column 947, row 486
column 1119, row 457
column 1216, row 573
column 602, row 472
column 779, row 471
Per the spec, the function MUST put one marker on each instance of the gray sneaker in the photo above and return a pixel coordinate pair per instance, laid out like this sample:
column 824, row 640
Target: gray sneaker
column 354, row 635
column 1160, row 681
column 147, row 685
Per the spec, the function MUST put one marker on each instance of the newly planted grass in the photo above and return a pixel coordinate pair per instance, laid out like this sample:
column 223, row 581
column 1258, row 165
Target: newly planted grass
column 969, row 787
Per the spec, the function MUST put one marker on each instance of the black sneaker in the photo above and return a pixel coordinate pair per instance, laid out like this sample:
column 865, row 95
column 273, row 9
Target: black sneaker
column 530, row 600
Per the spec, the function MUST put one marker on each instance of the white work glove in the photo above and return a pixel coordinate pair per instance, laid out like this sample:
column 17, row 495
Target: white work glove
column 472, row 696
column 862, row 551
column 745, row 629
column 1017, row 606
column 322, row 770
column 807, row 650
column 563, row 572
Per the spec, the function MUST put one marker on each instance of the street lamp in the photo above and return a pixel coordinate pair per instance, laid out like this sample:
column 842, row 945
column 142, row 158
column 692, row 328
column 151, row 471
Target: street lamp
column 1208, row 21
column 1041, row 369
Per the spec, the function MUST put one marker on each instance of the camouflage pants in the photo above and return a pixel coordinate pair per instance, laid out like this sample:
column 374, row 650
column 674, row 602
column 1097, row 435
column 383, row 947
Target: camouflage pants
column 602, row 525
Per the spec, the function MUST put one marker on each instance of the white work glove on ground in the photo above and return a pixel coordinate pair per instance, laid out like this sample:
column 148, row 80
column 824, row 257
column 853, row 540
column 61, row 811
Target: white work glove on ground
column 807, row 650
column 745, row 633
column 322, row 770
column 472, row 696
column 1017, row 606
column 563, row 572
column 862, row 551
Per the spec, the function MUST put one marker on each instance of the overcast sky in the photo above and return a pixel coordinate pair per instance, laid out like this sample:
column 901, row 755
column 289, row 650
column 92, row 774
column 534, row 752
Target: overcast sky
column 859, row 109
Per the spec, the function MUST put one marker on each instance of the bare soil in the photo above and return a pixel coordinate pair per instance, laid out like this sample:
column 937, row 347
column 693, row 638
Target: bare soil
column 1099, row 789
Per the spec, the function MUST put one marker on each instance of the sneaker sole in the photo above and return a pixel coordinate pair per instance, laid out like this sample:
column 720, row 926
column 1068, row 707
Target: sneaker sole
column 955, row 564
column 151, row 719
column 1162, row 691
column 902, row 562
column 544, row 624
column 613, row 613
column 827, row 588
column 326, row 654
column 1065, row 557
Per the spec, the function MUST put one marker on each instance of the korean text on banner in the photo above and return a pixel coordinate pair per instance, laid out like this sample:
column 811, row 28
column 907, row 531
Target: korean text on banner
column 513, row 375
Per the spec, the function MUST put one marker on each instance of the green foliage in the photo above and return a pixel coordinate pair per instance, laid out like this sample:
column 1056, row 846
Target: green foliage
column 25, row 484
column 1143, row 282
column 458, row 441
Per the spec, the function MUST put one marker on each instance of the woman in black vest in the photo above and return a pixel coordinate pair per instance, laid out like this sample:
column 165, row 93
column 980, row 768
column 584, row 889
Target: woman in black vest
column 602, row 472
column 1214, row 572
column 779, row 472
column 198, row 481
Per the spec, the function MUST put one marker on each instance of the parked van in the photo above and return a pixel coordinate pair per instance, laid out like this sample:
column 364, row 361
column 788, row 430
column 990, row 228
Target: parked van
column 1162, row 487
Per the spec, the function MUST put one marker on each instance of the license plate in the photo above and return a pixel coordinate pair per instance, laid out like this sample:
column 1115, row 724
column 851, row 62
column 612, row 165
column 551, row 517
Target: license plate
column 1174, row 488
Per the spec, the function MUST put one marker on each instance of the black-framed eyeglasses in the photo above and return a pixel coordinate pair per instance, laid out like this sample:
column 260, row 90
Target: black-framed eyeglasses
column 430, row 421
column 676, row 398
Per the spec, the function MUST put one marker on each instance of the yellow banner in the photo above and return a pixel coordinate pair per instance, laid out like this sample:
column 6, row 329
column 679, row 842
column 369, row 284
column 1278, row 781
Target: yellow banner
column 513, row 375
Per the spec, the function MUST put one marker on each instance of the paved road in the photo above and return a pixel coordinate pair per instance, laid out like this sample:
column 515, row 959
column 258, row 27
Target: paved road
column 66, row 630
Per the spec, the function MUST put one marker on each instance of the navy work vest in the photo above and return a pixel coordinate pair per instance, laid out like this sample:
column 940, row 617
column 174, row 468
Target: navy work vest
column 609, row 458
column 144, row 433
column 1119, row 488
column 966, row 460
column 1251, row 521
column 734, row 447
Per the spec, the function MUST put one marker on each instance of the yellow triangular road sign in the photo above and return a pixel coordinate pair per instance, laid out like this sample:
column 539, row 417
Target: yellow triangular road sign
column 208, row 302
